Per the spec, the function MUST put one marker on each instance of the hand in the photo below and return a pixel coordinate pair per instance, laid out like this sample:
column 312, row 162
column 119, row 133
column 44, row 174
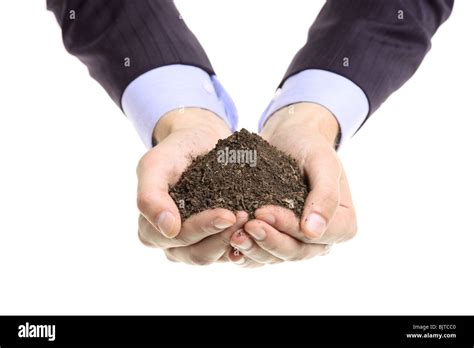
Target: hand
column 307, row 132
column 203, row 238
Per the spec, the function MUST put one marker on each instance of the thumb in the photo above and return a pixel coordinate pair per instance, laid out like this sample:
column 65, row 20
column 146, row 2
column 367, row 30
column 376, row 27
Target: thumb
column 324, row 172
column 155, row 171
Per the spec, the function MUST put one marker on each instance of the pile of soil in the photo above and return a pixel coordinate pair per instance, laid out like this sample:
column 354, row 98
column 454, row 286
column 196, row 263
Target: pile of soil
column 242, row 172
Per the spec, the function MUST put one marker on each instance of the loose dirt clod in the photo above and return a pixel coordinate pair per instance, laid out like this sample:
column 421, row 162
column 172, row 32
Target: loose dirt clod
column 242, row 172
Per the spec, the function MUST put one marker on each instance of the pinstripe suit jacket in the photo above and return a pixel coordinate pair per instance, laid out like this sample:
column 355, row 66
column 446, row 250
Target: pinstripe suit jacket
column 378, row 44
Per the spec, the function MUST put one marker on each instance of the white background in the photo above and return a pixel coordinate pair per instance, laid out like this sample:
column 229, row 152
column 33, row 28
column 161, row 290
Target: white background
column 68, row 221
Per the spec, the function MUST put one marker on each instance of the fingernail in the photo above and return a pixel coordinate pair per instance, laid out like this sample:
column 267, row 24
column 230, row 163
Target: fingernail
column 315, row 225
column 257, row 233
column 268, row 218
column 222, row 224
column 165, row 223
column 246, row 244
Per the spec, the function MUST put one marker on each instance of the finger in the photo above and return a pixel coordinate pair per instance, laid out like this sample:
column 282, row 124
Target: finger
column 342, row 227
column 156, row 171
column 150, row 236
column 224, row 257
column 280, row 244
column 246, row 246
column 210, row 249
column 324, row 172
column 239, row 259
column 282, row 219
column 207, row 251
column 204, row 224
column 196, row 228
column 344, row 224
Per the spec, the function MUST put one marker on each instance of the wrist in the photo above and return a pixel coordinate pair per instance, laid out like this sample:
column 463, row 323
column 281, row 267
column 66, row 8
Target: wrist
column 189, row 118
column 315, row 118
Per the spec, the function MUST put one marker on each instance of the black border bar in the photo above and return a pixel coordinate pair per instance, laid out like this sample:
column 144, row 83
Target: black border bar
column 451, row 331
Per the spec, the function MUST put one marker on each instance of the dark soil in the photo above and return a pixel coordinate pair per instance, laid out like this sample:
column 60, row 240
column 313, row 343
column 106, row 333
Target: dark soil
column 229, row 178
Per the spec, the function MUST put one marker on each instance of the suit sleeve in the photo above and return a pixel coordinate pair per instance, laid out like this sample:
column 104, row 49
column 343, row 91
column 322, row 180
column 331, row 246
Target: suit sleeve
column 120, row 40
column 376, row 44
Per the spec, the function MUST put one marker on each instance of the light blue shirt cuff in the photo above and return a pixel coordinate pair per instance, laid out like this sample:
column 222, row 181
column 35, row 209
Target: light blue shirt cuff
column 346, row 101
column 161, row 90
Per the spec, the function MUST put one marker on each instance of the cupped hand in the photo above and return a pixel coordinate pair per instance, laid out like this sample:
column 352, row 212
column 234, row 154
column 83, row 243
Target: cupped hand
column 307, row 132
column 182, row 135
